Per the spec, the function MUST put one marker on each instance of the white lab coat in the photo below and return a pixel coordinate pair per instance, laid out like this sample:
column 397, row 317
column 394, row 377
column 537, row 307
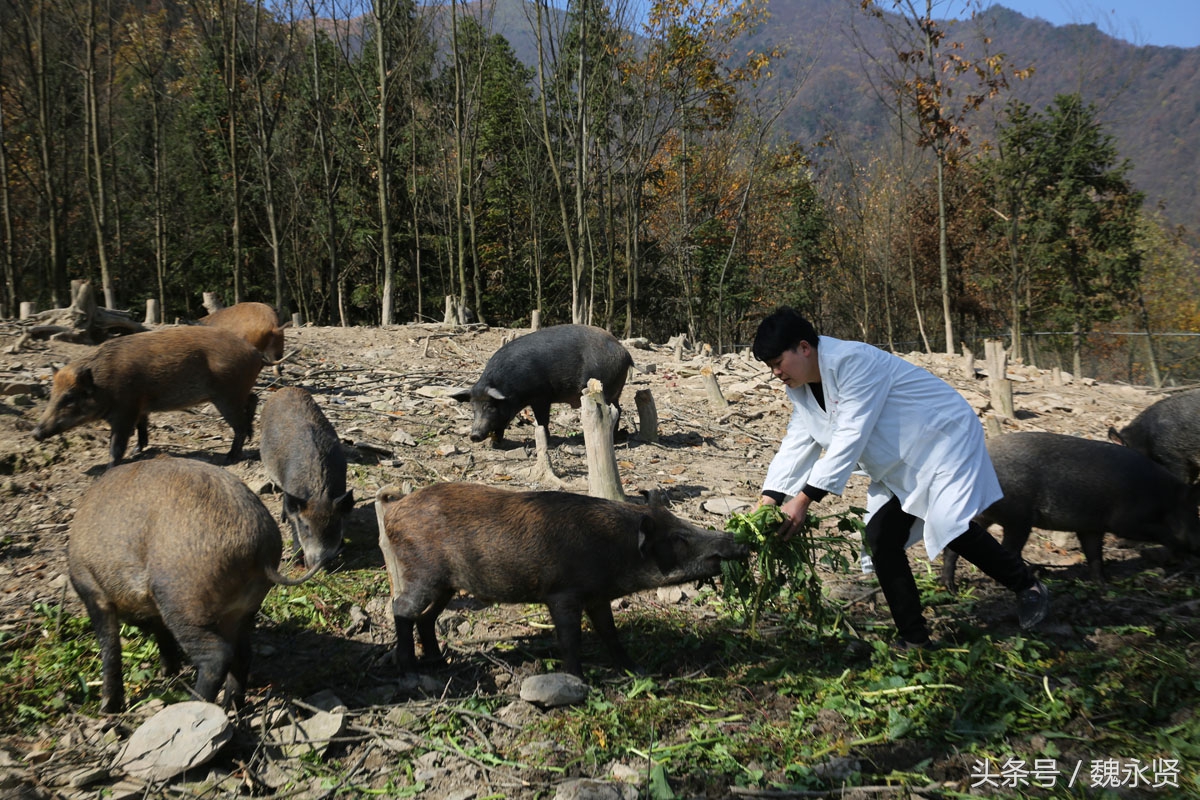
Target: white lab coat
column 912, row 433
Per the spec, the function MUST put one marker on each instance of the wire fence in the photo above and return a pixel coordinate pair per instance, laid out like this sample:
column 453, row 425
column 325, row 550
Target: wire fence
column 1141, row 359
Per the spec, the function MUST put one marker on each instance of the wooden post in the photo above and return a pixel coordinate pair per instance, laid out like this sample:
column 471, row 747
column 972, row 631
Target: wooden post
column 545, row 470
column 993, row 426
column 998, row 383
column 603, row 477
column 647, row 415
column 152, row 317
column 535, row 319
column 713, row 389
column 968, row 362
column 297, row 320
column 27, row 309
column 211, row 303
column 451, row 316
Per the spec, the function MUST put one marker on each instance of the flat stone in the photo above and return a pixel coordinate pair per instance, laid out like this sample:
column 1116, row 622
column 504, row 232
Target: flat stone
column 554, row 689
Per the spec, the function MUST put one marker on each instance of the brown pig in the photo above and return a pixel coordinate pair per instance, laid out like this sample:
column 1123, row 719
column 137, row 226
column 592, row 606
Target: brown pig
column 303, row 457
column 185, row 551
column 572, row 552
column 125, row 379
column 257, row 323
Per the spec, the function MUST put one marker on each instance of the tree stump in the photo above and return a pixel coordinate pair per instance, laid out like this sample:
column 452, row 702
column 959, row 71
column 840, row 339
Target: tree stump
column 544, row 472
column 647, row 415
column 212, row 304
column 968, row 362
column 713, row 389
column 999, row 385
column 603, row 478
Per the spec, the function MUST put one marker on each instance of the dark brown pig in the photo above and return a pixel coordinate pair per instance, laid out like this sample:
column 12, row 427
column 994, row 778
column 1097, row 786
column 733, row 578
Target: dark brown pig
column 125, row 379
column 185, row 551
column 1067, row 483
column 303, row 457
column 572, row 552
column 257, row 323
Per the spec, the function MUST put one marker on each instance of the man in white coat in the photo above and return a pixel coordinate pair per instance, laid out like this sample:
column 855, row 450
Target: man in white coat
column 856, row 407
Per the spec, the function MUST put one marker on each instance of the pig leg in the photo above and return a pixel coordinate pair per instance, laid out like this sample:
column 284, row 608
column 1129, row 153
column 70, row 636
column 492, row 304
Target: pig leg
column 108, row 633
column 1092, row 544
column 118, row 440
column 143, row 433
column 949, row 565
column 1015, row 537
column 240, row 420
column 169, row 652
column 239, row 668
column 430, row 652
column 212, row 656
column 541, row 412
column 567, row 615
column 413, row 608
column 600, row 613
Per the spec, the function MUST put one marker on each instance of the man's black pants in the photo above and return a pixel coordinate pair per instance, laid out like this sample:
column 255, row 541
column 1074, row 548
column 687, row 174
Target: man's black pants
column 888, row 532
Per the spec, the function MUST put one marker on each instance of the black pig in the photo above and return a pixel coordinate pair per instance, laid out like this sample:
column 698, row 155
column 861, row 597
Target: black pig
column 552, row 365
column 1168, row 433
column 1065, row 483
column 303, row 457
column 572, row 552
column 185, row 551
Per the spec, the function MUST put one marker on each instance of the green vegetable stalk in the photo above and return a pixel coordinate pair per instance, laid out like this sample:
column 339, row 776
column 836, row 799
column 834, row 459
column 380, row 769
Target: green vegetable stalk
column 778, row 568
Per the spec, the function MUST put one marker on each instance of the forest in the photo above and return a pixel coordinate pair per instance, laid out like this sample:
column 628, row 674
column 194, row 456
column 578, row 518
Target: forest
column 358, row 163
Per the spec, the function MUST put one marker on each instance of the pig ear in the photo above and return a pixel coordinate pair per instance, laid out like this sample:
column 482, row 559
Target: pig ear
column 293, row 504
column 461, row 396
column 646, row 536
column 495, row 393
column 655, row 545
column 1115, row 437
column 345, row 503
column 83, row 378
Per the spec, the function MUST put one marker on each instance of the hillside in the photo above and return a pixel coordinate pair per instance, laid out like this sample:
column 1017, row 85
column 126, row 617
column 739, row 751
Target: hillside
column 1149, row 97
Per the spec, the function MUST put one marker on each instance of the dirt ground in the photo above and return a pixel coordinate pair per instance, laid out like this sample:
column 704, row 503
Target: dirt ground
column 384, row 391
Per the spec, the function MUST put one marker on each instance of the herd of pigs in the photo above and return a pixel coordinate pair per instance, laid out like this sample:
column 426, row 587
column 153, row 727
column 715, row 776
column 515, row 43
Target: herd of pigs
column 186, row 551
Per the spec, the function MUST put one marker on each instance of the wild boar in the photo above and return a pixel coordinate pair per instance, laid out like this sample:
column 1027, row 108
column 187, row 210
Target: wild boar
column 303, row 457
column 185, row 551
column 551, row 365
column 1066, row 483
column 125, row 379
column 1168, row 433
column 257, row 323
column 572, row 552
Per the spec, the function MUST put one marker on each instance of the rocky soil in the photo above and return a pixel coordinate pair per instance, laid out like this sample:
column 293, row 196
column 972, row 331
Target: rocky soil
column 384, row 390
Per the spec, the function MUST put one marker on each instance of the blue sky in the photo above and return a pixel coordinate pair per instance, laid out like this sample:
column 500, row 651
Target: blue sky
column 1160, row 22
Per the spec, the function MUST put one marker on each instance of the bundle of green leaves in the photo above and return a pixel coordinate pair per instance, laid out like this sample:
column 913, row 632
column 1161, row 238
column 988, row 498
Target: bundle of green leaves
column 783, row 570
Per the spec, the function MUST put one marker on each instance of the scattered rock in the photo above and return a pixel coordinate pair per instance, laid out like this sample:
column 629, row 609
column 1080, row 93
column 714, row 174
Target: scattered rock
column 553, row 690
column 180, row 737
column 591, row 789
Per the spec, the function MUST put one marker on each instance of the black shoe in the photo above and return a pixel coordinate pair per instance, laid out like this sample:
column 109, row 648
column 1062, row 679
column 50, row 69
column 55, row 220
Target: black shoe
column 1032, row 604
column 905, row 646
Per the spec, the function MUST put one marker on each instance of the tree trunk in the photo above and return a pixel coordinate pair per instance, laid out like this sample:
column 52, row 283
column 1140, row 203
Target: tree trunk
column 604, row 479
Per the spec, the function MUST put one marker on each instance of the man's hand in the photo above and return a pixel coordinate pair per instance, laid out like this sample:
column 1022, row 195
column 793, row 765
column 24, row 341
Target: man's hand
column 794, row 513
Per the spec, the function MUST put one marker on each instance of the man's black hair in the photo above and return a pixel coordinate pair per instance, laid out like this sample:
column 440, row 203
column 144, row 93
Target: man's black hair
column 780, row 332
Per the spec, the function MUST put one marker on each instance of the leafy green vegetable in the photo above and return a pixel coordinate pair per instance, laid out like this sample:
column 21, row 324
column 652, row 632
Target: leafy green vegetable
column 783, row 569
